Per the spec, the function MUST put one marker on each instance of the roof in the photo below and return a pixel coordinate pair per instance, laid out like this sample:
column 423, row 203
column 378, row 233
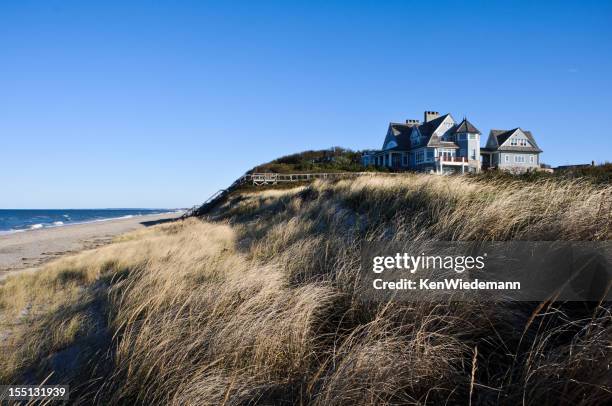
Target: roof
column 435, row 142
column 502, row 136
column 402, row 133
column 428, row 128
column 575, row 166
column 466, row 127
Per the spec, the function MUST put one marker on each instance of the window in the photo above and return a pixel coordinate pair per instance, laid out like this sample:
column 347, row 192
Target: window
column 420, row 157
column 519, row 159
column 519, row 142
column 507, row 158
column 531, row 159
column 391, row 144
column 472, row 136
column 447, row 155
column 430, row 154
column 473, row 155
column 404, row 160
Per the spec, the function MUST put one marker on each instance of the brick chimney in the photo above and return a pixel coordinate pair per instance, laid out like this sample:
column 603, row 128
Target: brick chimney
column 411, row 121
column 430, row 115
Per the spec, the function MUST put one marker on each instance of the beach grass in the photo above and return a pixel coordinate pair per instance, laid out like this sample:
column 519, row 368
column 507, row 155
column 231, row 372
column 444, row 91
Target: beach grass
column 258, row 304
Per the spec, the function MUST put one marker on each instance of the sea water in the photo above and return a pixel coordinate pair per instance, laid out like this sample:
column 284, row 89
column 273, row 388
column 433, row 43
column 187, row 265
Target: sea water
column 12, row 221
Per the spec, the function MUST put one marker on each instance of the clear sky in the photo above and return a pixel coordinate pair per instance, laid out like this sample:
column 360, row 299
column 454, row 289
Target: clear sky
column 161, row 103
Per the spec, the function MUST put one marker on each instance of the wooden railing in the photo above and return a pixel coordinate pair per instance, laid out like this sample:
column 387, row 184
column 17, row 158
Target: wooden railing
column 452, row 159
column 259, row 179
column 274, row 178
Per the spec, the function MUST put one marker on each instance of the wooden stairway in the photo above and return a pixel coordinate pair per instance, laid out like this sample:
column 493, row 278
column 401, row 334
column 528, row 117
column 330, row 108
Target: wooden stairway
column 213, row 200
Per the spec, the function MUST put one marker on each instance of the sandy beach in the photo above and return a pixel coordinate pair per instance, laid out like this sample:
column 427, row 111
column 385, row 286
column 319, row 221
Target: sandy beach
column 29, row 249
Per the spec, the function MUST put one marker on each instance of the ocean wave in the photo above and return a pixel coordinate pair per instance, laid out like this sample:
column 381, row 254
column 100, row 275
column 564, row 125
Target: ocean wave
column 68, row 222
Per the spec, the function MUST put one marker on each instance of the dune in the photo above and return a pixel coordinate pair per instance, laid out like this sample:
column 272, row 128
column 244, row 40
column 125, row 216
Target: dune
column 258, row 303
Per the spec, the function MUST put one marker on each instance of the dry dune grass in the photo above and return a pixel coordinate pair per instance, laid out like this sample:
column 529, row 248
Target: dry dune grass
column 258, row 305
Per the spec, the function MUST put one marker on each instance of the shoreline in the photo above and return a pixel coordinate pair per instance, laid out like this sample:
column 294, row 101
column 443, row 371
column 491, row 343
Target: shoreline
column 41, row 226
column 27, row 250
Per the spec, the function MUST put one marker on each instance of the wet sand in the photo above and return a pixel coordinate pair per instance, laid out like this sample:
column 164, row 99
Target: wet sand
column 29, row 249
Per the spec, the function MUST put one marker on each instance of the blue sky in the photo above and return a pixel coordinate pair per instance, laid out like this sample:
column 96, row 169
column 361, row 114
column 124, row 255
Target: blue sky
column 161, row 103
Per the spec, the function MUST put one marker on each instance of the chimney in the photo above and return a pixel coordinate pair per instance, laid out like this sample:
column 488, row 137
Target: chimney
column 411, row 121
column 430, row 115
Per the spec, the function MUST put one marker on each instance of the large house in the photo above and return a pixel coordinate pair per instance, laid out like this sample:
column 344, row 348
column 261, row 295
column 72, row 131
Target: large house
column 441, row 145
column 514, row 150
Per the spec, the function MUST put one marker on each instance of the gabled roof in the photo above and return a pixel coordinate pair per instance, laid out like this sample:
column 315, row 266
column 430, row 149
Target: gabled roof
column 466, row 127
column 401, row 132
column 402, row 126
column 428, row 128
column 502, row 136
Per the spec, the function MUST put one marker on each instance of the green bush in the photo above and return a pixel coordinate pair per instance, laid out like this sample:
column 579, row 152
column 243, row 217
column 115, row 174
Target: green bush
column 336, row 159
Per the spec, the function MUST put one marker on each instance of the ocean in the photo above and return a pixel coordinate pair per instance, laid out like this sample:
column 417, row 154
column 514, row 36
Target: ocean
column 12, row 221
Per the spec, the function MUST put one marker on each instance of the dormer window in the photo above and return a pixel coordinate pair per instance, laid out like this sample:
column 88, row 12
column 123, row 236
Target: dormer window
column 391, row 144
column 521, row 142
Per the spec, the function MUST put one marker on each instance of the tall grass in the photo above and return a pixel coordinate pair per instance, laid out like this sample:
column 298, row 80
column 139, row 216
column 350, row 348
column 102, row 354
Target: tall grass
column 258, row 304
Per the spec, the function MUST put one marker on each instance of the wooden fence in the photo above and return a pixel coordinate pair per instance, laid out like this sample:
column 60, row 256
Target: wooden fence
column 259, row 179
column 274, row 178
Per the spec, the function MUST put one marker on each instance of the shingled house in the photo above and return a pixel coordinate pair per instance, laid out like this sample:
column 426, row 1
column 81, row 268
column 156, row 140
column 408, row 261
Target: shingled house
column 514, row 150
column 441, row 145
